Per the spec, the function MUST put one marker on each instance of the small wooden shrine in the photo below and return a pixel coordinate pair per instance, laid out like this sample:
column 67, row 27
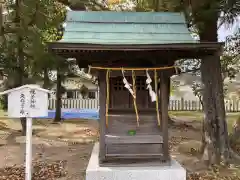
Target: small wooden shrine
column 133, row 54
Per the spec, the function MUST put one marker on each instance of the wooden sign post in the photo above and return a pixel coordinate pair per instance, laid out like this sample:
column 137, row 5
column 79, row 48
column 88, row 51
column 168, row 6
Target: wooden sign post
column 27, row 101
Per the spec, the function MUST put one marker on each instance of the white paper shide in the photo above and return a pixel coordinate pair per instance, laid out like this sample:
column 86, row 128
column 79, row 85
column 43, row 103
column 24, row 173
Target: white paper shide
column 152, row 94
column 127, row 85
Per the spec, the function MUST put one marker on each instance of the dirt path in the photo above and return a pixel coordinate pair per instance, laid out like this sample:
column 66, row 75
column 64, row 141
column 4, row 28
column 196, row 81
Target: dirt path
column 63, row 151
column 68, row 143
column 74, row 156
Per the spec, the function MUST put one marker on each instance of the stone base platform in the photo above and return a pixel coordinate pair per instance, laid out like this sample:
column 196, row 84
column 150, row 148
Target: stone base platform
column 141, row 171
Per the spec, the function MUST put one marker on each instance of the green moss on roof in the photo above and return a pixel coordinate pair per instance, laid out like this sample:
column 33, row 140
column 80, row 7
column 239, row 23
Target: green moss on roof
column 107, row 27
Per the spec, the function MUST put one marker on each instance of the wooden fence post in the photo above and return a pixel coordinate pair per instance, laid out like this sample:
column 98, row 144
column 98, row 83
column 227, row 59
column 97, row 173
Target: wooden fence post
column 182, row 104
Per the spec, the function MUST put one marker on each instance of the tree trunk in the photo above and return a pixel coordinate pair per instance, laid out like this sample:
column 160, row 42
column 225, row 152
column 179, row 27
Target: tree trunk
column 1, row 18
column 45, row 79
column 58, row 98
column 215, row 126
column 220, row 107
column 168, row 81
column 20, row 56
column 211, row 116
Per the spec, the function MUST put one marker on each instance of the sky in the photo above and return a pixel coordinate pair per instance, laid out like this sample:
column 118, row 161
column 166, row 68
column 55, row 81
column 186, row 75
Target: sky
column 224, row 31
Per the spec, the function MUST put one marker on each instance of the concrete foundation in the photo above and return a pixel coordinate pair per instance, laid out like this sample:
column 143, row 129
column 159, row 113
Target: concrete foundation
column 143, row 171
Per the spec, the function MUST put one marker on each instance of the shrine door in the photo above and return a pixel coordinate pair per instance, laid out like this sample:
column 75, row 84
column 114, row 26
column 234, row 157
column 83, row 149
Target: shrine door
column 121, row 98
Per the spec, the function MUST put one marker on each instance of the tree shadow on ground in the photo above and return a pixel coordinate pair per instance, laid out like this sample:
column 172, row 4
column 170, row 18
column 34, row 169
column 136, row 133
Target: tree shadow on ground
column 13, row 134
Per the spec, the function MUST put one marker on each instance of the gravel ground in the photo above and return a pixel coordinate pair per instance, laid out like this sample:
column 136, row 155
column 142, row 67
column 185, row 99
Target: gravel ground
column 67, row 162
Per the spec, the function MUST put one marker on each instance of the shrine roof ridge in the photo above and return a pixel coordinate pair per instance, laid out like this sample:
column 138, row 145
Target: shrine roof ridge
column 125, row 17
column 124, row 28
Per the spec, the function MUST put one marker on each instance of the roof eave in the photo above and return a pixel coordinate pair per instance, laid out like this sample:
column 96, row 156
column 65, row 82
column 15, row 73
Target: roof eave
column 62, row 46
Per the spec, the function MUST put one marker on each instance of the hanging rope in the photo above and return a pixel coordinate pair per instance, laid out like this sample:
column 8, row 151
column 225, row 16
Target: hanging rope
column 133, row 69
column 135, row 96
column 176, row 71
column 89, row 69
column 156, row 90
column 107, row 98
column 134, row 88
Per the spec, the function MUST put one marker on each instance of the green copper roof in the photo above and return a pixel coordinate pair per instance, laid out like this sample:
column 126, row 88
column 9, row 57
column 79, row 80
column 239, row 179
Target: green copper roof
column 96, row 27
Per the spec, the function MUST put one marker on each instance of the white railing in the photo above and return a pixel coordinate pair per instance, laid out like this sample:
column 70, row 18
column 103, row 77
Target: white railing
column 174, row 105
column 75, row 103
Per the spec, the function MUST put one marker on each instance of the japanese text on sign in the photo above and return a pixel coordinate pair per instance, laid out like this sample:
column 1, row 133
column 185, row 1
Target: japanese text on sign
column 22, row 103
column 32, row 100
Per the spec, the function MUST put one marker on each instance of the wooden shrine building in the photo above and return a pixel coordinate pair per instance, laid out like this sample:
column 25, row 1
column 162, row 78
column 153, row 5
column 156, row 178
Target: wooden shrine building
column 131, row 46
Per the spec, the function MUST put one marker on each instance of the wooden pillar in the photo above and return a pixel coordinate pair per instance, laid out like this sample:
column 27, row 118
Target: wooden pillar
column 164, row 113
column 102, row 114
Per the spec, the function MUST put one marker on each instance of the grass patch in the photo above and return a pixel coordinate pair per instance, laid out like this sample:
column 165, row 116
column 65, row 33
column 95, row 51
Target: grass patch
column 79, row 121
column 46, row 122
column 231, row 118
column 42, row 122
column 3, row 113
column 196, row 115
column 191, row 114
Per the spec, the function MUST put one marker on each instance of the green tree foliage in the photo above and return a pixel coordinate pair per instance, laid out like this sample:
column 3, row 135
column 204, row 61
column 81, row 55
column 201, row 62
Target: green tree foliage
column 233, row 44
column 85, row 4
column 28, row 26
column 230, row 63
column 35, row 22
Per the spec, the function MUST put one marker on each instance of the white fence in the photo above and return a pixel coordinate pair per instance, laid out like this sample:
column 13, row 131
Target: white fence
column 174, row 105
column 75, row 103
